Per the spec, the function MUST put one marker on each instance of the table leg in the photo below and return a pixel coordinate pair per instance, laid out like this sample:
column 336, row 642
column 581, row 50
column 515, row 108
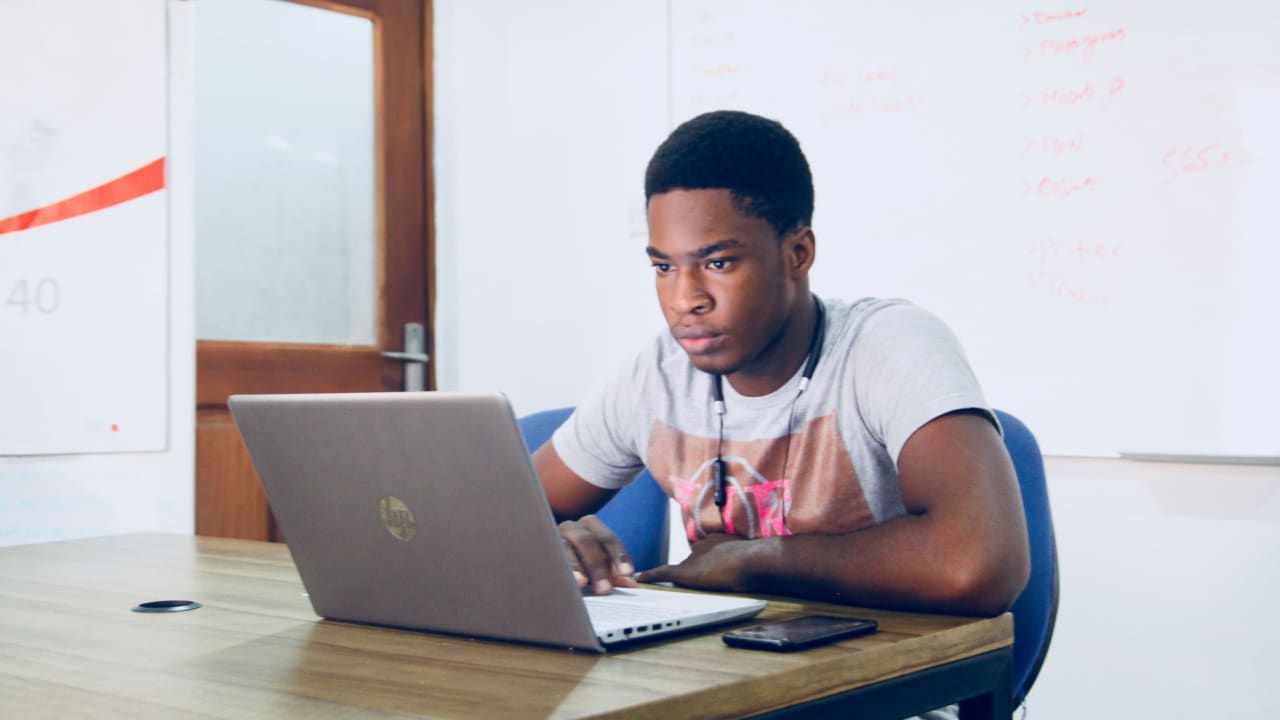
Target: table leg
column 997, row 702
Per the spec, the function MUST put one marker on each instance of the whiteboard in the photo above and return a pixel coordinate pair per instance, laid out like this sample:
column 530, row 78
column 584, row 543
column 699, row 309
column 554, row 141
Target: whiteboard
column 1089, row 195
column 83, row 228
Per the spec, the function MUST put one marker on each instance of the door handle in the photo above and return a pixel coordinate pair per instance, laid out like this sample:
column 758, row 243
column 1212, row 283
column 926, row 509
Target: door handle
column 409, row 357
column 413, row 357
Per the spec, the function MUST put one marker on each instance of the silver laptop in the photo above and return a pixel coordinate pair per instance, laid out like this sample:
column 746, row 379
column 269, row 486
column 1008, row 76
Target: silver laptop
column 423, row 510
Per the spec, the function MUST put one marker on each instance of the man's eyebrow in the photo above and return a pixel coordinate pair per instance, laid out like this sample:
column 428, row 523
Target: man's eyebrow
column 702, row 252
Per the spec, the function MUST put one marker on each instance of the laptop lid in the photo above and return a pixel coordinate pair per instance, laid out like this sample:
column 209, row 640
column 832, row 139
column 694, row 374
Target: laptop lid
column 423, row 510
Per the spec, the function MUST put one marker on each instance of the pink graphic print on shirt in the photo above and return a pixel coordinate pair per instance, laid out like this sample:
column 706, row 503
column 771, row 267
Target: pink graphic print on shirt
column 817, row 492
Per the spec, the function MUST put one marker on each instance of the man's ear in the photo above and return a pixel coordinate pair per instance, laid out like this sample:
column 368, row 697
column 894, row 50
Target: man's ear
column 799, row 248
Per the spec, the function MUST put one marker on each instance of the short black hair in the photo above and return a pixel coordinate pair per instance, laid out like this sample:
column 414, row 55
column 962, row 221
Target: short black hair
column 754, row 158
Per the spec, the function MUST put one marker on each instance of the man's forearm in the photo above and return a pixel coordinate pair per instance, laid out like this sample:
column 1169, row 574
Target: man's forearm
column 961, row 547
column 912, row 562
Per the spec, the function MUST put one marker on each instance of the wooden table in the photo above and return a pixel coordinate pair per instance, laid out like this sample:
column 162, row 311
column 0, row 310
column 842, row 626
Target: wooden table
column 71, row 647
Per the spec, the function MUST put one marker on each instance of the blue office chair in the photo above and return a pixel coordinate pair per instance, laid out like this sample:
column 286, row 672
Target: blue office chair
column 1036, row 609
column 638, row 513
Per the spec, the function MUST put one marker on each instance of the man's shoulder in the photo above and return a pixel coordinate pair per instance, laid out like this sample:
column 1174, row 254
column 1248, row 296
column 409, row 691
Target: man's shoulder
column 850, row 318
column 885, row 330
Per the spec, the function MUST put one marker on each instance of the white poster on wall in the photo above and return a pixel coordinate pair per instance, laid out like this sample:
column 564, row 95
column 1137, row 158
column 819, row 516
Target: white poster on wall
column 83, row 227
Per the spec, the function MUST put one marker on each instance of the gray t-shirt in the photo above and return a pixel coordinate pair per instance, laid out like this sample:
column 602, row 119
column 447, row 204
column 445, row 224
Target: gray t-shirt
column 819, row 461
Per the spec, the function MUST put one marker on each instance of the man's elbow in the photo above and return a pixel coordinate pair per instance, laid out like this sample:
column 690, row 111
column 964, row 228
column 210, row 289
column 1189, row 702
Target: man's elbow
column 987, row 586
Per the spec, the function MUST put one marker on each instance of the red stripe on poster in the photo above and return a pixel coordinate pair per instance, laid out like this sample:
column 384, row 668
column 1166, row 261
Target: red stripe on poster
column 144, row 180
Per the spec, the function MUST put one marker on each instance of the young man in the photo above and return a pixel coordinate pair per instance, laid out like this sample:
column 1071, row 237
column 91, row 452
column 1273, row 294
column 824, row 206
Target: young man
column 818, row 448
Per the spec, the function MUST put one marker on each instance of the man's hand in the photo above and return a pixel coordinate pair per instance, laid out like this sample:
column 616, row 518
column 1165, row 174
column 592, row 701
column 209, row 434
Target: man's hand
column 715, row 562
column 597, row 556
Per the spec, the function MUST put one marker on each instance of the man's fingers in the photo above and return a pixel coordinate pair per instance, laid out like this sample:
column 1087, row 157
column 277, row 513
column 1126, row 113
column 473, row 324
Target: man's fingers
column 625, row 581
column 572, row 557
column 601, row 559
column 594, row 561
column 662, row 573
column 622, row 565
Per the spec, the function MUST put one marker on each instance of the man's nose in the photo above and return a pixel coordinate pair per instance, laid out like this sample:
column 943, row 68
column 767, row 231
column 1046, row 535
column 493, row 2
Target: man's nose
column 690, row 294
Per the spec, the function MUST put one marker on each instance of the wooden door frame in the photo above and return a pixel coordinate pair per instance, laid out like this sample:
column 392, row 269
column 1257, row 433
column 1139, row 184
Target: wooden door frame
column 229, row 499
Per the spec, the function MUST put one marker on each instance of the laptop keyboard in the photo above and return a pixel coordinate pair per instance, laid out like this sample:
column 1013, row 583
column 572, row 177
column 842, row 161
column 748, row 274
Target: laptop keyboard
column 605, row 610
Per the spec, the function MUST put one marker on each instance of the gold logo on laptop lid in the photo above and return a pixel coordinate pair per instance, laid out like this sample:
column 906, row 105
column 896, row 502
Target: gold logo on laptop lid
column 397, row 518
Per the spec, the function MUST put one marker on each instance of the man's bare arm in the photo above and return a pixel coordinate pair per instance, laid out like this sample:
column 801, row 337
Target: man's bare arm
column 570, row 496
column 961, row 548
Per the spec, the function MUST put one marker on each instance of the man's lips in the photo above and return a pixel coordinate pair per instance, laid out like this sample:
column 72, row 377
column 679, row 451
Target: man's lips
column 697, row 340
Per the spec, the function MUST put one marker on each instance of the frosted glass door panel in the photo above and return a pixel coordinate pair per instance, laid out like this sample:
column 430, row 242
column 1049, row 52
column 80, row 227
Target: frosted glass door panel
column 286, row 237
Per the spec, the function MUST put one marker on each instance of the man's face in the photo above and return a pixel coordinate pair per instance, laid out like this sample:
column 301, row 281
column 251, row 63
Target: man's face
column 726, row 281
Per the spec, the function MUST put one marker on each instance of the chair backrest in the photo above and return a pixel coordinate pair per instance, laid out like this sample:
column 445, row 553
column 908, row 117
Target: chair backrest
column 1036, row 609
column 638, row 513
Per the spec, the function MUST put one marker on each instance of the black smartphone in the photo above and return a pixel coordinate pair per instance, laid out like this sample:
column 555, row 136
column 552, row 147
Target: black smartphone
column 799, row 632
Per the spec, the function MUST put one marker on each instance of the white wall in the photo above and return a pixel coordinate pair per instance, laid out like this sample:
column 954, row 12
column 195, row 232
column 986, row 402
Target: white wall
column 543, row 128
column 1169, row 580
column 46, row 498
column 545, row 116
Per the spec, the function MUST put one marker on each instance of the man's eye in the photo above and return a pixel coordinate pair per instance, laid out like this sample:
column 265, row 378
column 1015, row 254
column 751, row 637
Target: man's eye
column 662, row 267
column 719, row 263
